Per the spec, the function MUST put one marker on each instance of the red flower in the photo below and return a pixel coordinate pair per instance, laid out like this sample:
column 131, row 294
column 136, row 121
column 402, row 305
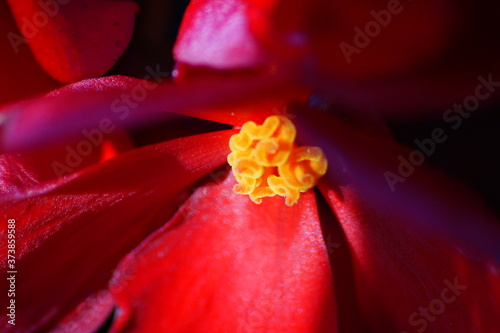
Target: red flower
column 222, row 262
column 354, row 255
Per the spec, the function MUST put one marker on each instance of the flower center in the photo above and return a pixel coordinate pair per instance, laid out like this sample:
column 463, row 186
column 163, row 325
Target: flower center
column 265, row 161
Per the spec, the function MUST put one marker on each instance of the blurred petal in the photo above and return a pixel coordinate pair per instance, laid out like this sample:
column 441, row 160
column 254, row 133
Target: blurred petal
column 215, row 34
column 417, row 95
column 134, row 103
column 411, row 244
column 316, row 32
column 21, row 75
column 376, row 55
column 91, row 219
column 226, row 264
column 78, row 39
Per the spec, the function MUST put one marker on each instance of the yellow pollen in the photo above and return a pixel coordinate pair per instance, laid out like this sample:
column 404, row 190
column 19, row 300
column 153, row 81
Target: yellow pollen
column 265, row 161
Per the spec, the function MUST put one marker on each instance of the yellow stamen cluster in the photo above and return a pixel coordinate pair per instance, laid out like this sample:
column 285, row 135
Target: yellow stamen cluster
column 265, row 161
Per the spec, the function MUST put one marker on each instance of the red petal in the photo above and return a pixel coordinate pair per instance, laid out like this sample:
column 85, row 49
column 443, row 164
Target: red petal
column 72, row 232
column 89, row 316
column 15, row 175
column 101, row 84
column 131, row 102
column 77, row 39
column 226, row 264
column 21, row 75
column 23, row 171
column 216, row 34
column 411, row 245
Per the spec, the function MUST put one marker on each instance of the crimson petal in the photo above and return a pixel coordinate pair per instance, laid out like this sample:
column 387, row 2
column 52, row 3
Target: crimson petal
column 224, row 263
column 72, row 232
column 426, row 255
column 77, row 39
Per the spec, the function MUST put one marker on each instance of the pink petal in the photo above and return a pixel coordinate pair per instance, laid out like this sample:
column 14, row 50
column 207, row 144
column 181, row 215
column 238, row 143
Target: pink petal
column 216, row 34
column 78, row 39
column 224, row 263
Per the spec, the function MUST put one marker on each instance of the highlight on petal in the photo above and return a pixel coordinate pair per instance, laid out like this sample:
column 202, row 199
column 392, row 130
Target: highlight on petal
column 426, row 256
column 216, row 34
column 101, row 84
column 224, row 264
column 88, row 316
column 72, row 232
column 23, row 171
column 78, row 39
column 14, row 174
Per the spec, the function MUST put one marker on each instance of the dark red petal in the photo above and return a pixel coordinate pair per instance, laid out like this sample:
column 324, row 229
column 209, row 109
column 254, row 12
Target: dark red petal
column 77, row 39
column 21, row 76
column 216, row 34
column 410, row 245
column 132, row 102
column 316, row 31
column 417, row 95
column 71, row 233
column 224, row 263
column 362, row 55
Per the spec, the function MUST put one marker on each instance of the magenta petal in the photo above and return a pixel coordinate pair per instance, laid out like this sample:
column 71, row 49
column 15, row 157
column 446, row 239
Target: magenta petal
column 427, row 197
column 225, row 264
column 122, row 101
column 76, row 39
column 71, row 233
